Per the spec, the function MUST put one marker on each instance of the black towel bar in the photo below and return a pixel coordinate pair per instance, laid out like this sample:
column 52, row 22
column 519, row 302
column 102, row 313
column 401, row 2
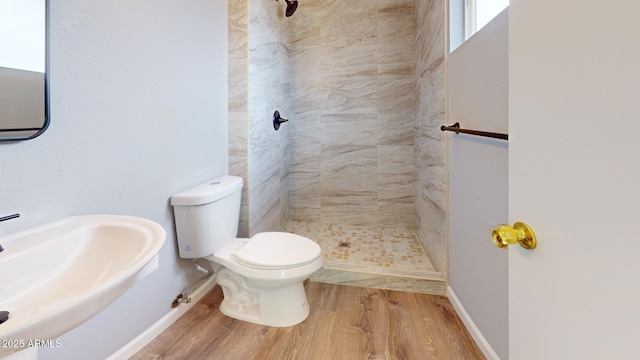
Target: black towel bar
column 456, row 128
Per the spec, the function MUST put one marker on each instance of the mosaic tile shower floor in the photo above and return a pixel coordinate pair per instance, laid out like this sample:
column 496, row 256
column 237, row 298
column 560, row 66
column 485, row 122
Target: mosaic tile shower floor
column 379, row 257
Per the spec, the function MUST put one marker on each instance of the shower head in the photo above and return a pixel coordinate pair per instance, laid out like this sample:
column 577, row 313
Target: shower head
column 291, row 7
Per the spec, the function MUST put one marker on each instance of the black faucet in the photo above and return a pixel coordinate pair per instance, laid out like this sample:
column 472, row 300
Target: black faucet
column 5, row 218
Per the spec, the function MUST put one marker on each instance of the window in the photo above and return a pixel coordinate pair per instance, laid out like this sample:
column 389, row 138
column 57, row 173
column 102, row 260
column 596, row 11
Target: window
column 469, row 16
column 478, row 13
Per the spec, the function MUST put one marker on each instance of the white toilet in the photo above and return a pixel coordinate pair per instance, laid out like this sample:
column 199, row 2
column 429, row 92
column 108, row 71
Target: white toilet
column 261, row 277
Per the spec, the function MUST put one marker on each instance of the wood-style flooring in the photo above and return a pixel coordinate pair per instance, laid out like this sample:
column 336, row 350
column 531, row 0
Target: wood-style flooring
column 345, row 323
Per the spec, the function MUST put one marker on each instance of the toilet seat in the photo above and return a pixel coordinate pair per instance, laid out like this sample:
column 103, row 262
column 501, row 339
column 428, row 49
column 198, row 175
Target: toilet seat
column 277, row 250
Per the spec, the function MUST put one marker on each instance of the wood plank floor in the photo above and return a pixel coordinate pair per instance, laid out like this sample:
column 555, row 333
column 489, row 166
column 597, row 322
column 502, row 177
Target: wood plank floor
column 345, row 323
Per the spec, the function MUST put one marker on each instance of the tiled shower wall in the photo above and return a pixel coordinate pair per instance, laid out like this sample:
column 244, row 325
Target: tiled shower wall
column 363, row 84
column 430, row 192
column 259, row 79
column 352, row 119
column 239, row 101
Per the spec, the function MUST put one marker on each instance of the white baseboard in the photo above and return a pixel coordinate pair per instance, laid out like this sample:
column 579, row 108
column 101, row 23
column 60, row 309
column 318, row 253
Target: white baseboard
column 482, row 343
column 161, row 325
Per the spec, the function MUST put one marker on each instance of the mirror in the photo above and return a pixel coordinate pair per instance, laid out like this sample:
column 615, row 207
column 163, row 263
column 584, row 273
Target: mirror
column 24, row 110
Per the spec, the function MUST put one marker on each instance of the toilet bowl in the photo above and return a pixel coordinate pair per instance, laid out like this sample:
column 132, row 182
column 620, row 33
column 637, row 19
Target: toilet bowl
column 261, row 277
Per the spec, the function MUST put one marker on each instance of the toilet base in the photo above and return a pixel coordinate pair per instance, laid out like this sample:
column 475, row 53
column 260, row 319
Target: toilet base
column 278, row 307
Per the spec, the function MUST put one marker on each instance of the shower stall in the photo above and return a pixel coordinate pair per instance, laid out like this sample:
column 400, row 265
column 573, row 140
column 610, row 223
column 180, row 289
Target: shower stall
column 360, row 166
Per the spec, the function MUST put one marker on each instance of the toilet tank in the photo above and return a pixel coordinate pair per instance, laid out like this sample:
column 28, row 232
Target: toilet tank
column 207, row 216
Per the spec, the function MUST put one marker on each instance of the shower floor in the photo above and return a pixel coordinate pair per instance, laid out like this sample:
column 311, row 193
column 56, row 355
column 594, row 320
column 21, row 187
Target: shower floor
column 375, row 257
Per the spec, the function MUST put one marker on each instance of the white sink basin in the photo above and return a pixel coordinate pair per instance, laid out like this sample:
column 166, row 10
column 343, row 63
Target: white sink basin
column 56, row 276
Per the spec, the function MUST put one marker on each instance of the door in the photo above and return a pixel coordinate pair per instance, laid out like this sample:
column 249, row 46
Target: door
column 574, row 177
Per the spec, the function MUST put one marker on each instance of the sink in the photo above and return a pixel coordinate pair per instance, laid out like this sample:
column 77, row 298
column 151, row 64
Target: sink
column 56, row 276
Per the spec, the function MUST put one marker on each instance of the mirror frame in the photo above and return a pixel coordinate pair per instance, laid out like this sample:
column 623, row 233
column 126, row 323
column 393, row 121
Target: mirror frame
column 47, row 113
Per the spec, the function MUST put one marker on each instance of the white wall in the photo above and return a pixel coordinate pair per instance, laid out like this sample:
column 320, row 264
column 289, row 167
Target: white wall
column 478, row 188
column 138, row 113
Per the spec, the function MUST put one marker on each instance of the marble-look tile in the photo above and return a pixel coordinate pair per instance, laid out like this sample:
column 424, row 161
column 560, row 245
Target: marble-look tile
column 395, row 94
column 343, row 60
column 306, row 128
column 238, row 167
column 378, row 281
column 349, row 197
column 238, row 77
column 308, row 98
column 358, row 189
column 429, row 141
column 305, row 190
column 349, row 22
column 334, row 198
column 239, row 86
column 354, row 129
column 265, row 22
column 238, row 132
column 264, row 204
column 395, row 30
column 355, row 68
column 395, row 213
column 395, row 181
column 355, row 91
column 269, row 153
column 391, row 4
column 306, row 159
column 396, row 188
column 430, row 88
column 349, row 214
column 304, row 73
column 395, row 20
column 431, row 223
column 429, row 39
column 306, row 162
column 304, row 25
column 268, row 72
column 238, row 52
column 395, row 128
column 349, row 159
column 395, row 159
column 305, row 214
column 238, row 22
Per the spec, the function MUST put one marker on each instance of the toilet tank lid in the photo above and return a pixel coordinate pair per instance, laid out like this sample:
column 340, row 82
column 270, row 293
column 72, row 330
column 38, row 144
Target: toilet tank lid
column 208, row 192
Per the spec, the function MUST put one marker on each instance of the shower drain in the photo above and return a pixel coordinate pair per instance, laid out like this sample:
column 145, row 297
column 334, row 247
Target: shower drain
column 344, row 244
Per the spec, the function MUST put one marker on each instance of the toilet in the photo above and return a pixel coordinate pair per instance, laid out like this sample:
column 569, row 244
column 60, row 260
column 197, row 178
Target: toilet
column 261, row 277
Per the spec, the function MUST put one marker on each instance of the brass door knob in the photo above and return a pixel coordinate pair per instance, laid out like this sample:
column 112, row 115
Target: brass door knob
column 520, row 233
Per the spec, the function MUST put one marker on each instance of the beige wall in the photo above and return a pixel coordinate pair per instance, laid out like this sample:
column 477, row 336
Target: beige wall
column 430, row 189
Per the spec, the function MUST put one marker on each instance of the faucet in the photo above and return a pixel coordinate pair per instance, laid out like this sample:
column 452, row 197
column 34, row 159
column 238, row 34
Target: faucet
column 4, row 218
